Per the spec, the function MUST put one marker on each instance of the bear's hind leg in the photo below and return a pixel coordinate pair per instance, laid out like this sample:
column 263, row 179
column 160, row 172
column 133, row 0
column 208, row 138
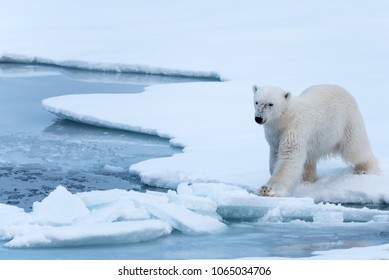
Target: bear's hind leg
column 367, row 167
column 309, row 174
column 356, row 149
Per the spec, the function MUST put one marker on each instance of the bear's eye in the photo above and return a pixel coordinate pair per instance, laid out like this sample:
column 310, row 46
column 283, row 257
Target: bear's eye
column 256, row 102
column 270, row 104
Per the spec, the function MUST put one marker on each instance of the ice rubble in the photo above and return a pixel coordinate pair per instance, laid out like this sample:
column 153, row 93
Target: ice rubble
column 119, row 216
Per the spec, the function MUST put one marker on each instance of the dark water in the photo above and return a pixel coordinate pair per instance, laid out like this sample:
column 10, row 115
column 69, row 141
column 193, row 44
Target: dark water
column 39, row 152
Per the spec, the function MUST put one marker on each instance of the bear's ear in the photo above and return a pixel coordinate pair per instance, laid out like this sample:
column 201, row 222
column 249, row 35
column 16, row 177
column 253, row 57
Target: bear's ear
column 255, row 88
column 287, row 95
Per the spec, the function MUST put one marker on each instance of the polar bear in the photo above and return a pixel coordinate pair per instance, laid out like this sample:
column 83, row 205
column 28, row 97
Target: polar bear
column 323, row 121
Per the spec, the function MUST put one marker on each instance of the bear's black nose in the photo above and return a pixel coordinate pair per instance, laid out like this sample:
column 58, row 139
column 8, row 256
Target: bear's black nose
column 259, row 120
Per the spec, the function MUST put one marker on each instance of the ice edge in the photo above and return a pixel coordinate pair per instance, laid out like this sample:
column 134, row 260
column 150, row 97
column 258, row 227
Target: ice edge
column 108, row 67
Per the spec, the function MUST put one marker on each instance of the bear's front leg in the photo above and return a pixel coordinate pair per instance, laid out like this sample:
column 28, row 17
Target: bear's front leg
column 274, row 191
column 288, row 168
column 272, row 158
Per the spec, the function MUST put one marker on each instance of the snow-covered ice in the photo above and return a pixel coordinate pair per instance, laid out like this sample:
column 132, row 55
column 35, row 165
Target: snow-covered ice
column 106, row 67
column 221, row 143
column 290, row 44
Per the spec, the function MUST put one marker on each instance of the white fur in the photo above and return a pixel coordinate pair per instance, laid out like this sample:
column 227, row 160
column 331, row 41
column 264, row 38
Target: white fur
column 323, row 121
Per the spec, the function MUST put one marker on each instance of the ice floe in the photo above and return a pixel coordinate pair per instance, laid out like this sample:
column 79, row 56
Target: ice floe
column 107, row 67
column 119, row 216
column 214, row 123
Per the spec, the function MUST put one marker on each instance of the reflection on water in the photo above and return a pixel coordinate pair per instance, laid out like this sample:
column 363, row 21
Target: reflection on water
column 39, row 152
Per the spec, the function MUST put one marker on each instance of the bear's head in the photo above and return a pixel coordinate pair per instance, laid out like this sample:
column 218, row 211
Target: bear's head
column 270, row 103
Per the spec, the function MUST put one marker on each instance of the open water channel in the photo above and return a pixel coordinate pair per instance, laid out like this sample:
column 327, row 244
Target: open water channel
column 39, row 151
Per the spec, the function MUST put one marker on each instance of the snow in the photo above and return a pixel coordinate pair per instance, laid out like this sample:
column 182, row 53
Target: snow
column 380, row 252
column 290, row 44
